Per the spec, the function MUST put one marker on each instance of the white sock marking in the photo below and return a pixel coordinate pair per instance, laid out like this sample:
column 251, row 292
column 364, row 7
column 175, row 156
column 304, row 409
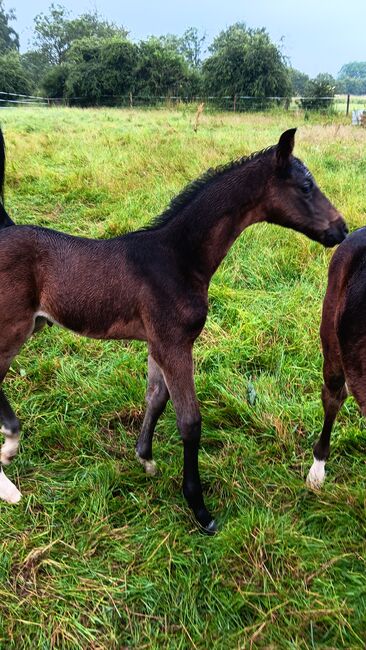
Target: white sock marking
column 316, row 476
column 149, row 465
column 8, row 491
column 9, row 449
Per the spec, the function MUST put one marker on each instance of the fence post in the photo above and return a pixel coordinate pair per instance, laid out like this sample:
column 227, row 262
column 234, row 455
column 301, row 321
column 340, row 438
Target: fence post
column 347, row 109
column 234, row 107
column 131, row 103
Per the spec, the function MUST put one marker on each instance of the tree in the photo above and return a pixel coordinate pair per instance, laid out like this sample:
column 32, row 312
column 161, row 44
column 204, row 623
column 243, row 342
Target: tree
column 245, row 61
column 160, row 70
column 319, row 93
column 100, row 68
column 354, row 70
column 36, row 66
column 9, row 39
column 13, row 77
column 54, row 81
column 352, row 78
column 189, row 46
column 298, row 81
column 56, row 31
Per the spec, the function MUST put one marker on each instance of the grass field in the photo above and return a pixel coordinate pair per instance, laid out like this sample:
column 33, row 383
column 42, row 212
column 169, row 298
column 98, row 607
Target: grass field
column 99, row 556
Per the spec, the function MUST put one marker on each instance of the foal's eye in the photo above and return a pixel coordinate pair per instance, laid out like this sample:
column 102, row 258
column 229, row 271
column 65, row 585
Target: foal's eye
column 307, row 187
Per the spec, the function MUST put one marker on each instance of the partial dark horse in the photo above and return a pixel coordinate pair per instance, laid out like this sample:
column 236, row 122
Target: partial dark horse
column 152, row 285
column 343, row 335
column 4, row 217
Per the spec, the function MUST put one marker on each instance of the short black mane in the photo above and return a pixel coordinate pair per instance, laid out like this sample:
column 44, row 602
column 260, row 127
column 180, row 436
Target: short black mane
column 191, row 191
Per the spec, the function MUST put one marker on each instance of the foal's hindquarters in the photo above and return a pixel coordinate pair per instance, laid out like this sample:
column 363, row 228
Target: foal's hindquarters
column 343, row 336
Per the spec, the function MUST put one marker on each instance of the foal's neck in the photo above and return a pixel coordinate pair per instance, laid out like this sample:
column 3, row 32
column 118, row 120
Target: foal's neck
column 203, row 231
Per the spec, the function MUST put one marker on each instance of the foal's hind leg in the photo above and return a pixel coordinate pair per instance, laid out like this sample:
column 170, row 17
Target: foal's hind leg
column 334, row 392
column 333, row 395
column 156, row 398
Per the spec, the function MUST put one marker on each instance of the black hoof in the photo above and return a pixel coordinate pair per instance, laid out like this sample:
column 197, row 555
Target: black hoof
column 210, row 529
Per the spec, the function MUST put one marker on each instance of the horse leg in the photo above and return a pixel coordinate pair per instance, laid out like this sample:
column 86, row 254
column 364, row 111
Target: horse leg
column 177, row 368
column 156, row 398
column 334, row 392
column 10, row 427
column 10, row 343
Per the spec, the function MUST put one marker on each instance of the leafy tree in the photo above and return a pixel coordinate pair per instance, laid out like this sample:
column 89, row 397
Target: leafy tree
column 36, row 66
column 298, row 81
column 353, row 70
column 245, row 61
column 160, row 70
column 352, row 78
column 9, row 39
column 56, row 31
column 13, row 77
column 191, row 46
column 54, row 81
column 100, row 68
column 319, row 93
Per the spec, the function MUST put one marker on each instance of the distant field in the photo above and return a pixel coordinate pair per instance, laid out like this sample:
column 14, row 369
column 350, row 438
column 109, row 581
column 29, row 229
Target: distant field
column 99, row 556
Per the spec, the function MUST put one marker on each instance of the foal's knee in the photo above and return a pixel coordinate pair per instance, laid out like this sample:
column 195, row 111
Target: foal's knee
column 190, row 429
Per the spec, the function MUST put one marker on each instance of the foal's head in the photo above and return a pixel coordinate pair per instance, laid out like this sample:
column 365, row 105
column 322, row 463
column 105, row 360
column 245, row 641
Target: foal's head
column 295, row 201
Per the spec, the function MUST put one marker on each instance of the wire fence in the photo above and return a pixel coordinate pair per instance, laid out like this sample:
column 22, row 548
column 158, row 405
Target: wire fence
column 237, row 103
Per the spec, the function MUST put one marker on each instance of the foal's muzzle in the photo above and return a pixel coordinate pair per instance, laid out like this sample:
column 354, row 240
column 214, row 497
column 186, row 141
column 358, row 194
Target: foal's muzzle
column 335, row 234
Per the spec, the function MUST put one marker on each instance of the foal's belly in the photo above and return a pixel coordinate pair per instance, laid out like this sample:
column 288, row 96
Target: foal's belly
column 112, row 326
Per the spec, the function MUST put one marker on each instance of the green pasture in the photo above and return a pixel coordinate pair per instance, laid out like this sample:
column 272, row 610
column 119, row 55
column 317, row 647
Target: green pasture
column 99, row 556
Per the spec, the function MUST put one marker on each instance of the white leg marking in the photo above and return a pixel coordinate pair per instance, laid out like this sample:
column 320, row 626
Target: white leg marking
column 10, row 446
column 316, row 476
column 8, row 491
column 149, row 465
column 9, row 449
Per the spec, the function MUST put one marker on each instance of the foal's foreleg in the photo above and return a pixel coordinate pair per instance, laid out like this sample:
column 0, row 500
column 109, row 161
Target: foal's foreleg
column 156, row 398
column 177, row 367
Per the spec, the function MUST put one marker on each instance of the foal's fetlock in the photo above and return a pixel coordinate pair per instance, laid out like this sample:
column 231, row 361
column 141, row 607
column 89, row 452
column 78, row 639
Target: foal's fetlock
column 10, row 447
column 316, row 475
column 149, row 465
column 8, row 491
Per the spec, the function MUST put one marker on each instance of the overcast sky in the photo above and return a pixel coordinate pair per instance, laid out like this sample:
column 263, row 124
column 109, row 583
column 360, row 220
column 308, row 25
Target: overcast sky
column 318, row 35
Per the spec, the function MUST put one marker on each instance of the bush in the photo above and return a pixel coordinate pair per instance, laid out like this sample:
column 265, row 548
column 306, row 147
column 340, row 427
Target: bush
column 319, row 93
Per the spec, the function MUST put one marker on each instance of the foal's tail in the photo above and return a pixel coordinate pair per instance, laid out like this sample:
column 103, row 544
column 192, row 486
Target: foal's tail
column 5, row 220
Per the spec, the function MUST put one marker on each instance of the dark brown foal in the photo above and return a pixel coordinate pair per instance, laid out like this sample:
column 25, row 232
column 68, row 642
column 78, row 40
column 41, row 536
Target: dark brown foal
column 343, row 335
column 152, row 284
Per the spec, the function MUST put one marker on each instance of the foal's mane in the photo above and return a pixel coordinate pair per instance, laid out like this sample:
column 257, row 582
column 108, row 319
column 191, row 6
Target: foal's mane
column 191, row 191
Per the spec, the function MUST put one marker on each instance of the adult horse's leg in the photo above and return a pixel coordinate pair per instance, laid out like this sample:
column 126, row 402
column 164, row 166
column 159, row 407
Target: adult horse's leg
column 177, row 367
column 156, row 398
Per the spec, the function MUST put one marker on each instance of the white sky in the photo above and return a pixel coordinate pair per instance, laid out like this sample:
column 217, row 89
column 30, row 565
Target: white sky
column 318, row 35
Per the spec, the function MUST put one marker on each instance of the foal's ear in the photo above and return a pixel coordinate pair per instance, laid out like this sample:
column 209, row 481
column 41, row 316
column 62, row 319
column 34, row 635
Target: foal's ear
column 285, row 147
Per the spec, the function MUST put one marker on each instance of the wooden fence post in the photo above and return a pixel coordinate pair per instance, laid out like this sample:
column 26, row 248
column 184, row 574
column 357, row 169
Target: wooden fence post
column 234, row 107
column 347, row 109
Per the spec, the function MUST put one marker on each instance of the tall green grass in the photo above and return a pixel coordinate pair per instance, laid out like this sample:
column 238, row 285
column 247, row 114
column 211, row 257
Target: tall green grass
column 97, row 555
